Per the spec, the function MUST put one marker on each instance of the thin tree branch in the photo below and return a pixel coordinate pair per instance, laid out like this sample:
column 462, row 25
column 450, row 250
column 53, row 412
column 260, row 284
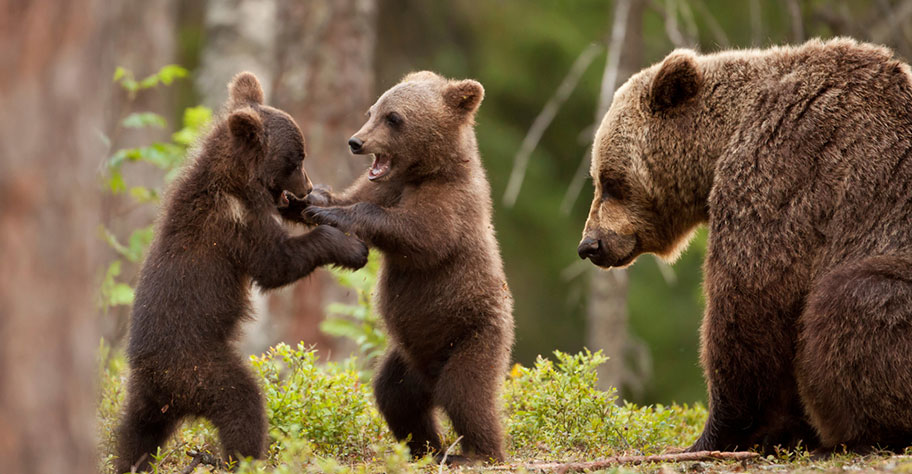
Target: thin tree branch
column 617, row 460
column 606, row 93
column 714, row 27
column 576, row 184
column 670, row 18
column 756, row 21
column 888, row 26
column 615, row 49
column 543, row 120
column 796, row 19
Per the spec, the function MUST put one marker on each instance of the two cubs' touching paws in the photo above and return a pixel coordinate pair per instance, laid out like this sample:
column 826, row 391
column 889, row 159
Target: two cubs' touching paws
column 342, row 249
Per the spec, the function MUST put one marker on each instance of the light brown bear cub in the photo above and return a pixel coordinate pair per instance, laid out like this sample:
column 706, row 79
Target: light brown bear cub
column 798, row 158
column 425, row 204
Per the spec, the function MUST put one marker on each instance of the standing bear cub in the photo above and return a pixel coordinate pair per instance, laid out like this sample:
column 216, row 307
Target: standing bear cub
column 425, row 203
column 218, row 233
column 800, row 161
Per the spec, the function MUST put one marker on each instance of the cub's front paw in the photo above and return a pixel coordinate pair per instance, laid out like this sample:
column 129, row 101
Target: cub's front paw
column 291, row 207
column 321, row 195
column 345, row 251
column 332, row 216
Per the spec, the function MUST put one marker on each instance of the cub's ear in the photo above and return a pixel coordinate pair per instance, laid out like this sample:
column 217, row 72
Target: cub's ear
column 463, row 96
column 678, row 80
column 246, row 127
column 245, row 89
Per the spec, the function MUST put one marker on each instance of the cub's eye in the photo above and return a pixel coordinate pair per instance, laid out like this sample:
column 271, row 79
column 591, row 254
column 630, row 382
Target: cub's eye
column 612, row 188
column 394, row 119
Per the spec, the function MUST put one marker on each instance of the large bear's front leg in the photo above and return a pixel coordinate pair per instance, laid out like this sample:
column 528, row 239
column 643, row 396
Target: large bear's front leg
column 748, row 348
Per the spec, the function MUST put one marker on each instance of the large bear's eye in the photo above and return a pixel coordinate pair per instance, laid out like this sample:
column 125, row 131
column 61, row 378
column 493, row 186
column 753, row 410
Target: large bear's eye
column 612, row 188
column 394, row 119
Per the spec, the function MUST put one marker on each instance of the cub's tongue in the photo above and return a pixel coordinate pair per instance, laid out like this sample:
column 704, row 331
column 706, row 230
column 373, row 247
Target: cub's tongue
column 379, row 167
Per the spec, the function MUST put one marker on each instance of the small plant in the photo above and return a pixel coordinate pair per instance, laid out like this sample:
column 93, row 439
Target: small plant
column 328, row 405
column 359, row 321
column 166, row 156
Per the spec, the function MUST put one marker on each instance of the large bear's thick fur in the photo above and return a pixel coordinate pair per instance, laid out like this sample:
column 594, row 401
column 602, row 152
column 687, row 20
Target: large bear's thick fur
column 218, row 233
column 426, row 205
column 800, row 161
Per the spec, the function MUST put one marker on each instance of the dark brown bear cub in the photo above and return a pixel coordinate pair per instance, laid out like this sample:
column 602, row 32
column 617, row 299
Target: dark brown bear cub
column 799, row 159
column 425, row 204
column 218, row 233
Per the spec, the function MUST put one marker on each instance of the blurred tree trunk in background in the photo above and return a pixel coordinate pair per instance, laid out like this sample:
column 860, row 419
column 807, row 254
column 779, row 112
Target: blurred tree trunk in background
column 606, row 312
column 315, row 60
column 53, row 91
column 324, row 79
column 240, row 36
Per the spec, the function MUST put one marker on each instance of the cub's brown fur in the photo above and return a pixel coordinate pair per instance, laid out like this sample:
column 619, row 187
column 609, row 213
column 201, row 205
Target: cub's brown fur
column 218, row 233
column 798, row 158
column 426, row 204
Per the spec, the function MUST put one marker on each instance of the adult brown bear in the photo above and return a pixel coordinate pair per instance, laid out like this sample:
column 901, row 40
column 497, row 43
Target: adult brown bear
column 798, row 158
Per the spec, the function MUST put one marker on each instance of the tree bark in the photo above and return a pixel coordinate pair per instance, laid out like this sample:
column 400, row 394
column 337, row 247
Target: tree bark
column 315, row 61
column 53, row 88
column 324, row 79
column 606, row 311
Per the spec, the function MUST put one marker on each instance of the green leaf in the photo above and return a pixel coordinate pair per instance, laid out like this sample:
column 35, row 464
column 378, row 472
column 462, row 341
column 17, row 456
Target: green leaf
column 144, row 119
column 138, row 242
column 121, row 294
column 197, row 117
column 340, row 328
column 116, row 182
column 169, row 73
column 129, row 84
column 143, row 194
column 111, row 239
column 149, row 82
column 120, row 73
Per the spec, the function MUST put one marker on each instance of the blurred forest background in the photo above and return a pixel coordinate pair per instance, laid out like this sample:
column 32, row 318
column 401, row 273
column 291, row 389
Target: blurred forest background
column 549, row 68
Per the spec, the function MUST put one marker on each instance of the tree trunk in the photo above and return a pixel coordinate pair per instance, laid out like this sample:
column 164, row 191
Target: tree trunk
column 325, row 80
column 53, row 90
column 315, row 61
column 606, row 312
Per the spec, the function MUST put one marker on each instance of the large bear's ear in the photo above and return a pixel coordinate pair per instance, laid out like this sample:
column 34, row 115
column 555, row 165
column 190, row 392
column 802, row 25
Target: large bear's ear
column 245, row 89
column 463, row 96
column 678, row 80
column 246, row 128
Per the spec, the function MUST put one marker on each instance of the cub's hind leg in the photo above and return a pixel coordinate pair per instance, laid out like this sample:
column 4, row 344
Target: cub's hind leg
column 146, row 425
column 231, row 399
column 469, row 389
column 404, row 400
column 854, row 362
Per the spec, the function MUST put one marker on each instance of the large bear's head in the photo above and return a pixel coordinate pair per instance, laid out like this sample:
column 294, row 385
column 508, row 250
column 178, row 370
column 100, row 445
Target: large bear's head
column 419, row 127
column 649, row 188
column 266, row 144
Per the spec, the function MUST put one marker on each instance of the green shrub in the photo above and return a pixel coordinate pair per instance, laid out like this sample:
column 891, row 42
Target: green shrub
column 558, row 408
column 322, row 417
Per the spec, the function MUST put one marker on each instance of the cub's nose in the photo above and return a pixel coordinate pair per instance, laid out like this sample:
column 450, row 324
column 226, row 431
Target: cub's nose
column 355, row 144
column 588, row 248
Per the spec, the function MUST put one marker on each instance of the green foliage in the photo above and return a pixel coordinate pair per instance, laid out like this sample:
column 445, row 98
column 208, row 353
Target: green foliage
column 557, row 407
column 165, row 156
column 322, row 417
column 327, row 405
column 359, row 321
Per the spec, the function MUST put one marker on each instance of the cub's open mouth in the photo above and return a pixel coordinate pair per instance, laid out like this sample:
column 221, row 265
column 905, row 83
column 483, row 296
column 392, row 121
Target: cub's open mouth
column 380, row 167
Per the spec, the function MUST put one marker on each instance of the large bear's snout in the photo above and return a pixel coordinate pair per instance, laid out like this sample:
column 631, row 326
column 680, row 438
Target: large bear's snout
column 608, row 249
column 588, row 248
